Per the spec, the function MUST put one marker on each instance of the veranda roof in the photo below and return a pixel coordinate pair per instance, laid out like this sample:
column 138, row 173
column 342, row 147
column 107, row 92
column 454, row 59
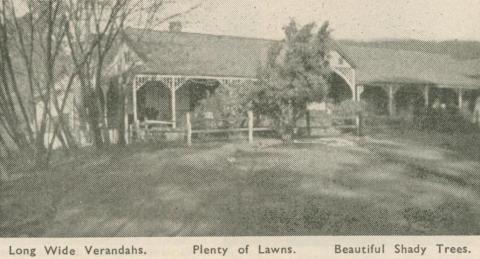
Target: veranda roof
column 194, row 54
column 378, row 66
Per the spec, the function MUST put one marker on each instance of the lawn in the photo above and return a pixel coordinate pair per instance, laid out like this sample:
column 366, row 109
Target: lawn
column 384, row 185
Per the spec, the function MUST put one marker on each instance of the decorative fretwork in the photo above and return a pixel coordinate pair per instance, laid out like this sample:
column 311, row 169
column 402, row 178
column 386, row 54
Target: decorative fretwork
column 179, row 82
column 175, row 82
column 172, row 82
column 234, row 81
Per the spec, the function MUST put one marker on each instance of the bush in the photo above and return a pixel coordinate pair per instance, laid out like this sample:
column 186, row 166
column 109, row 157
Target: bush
column 449, row 120
column 349, row 108
column 222, row 110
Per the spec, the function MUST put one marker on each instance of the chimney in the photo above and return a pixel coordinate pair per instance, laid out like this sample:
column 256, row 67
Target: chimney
column 175, row 26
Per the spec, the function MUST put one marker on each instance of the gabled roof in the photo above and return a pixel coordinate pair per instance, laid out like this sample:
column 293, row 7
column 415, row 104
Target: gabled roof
column 194, row 54
column 180, row 53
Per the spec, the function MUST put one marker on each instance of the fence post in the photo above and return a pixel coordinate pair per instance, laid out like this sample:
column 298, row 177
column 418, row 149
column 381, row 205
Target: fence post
column 309, row 130
column 476, row 118
column 250, row 127
column 189, row 129
column 359, row 121
column 130, row 133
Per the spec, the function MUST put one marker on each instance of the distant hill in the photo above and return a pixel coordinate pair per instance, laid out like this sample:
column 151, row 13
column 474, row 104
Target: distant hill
column 461, row 50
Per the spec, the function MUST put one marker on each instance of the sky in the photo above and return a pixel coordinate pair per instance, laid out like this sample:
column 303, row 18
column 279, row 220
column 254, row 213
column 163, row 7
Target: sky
column 349, row 19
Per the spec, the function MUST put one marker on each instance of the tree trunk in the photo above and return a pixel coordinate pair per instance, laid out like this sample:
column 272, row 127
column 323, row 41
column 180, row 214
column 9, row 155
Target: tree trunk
column 289, row 124
column 3, row 172
column 286, row 132
column 93, row 118
column 70, row 139
column 122, row 126
column 287, row 138
column 41, row 153
column 97, row 132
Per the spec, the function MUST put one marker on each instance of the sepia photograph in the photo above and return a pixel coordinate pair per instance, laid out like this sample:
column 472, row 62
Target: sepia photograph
column 221, row 118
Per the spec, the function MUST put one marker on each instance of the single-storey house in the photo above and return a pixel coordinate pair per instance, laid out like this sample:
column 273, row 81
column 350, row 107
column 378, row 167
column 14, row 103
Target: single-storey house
column 169, row 71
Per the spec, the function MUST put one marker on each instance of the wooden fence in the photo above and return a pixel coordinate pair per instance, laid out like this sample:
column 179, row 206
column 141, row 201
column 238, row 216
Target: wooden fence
column 250, row 129
column 150, row 128
column 353, row 123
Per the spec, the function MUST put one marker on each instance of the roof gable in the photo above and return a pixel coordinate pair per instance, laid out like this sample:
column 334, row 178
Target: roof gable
column 182, row 53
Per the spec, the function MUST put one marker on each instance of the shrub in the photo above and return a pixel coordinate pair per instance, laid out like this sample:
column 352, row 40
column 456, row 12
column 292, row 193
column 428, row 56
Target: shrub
column 349, row 108
column 449, row 120
column 226, row 108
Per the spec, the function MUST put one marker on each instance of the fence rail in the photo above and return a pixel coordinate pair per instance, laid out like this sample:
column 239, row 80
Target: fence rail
column 147, row 123
column 341, row 122
column 354, row 123
column 228, row 130
column 250, row 129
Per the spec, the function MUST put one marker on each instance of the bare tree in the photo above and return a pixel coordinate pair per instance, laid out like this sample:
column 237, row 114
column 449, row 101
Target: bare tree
column 48, row 49
column 33, row 61
column 34, row 43
column 101, row 23
column 14, row 115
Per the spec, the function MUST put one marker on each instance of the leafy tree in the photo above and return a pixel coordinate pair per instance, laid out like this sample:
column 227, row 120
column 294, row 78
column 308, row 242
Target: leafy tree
column 296, row 73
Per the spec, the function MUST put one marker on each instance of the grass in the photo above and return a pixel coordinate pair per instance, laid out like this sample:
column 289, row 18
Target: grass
column 396, row 184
